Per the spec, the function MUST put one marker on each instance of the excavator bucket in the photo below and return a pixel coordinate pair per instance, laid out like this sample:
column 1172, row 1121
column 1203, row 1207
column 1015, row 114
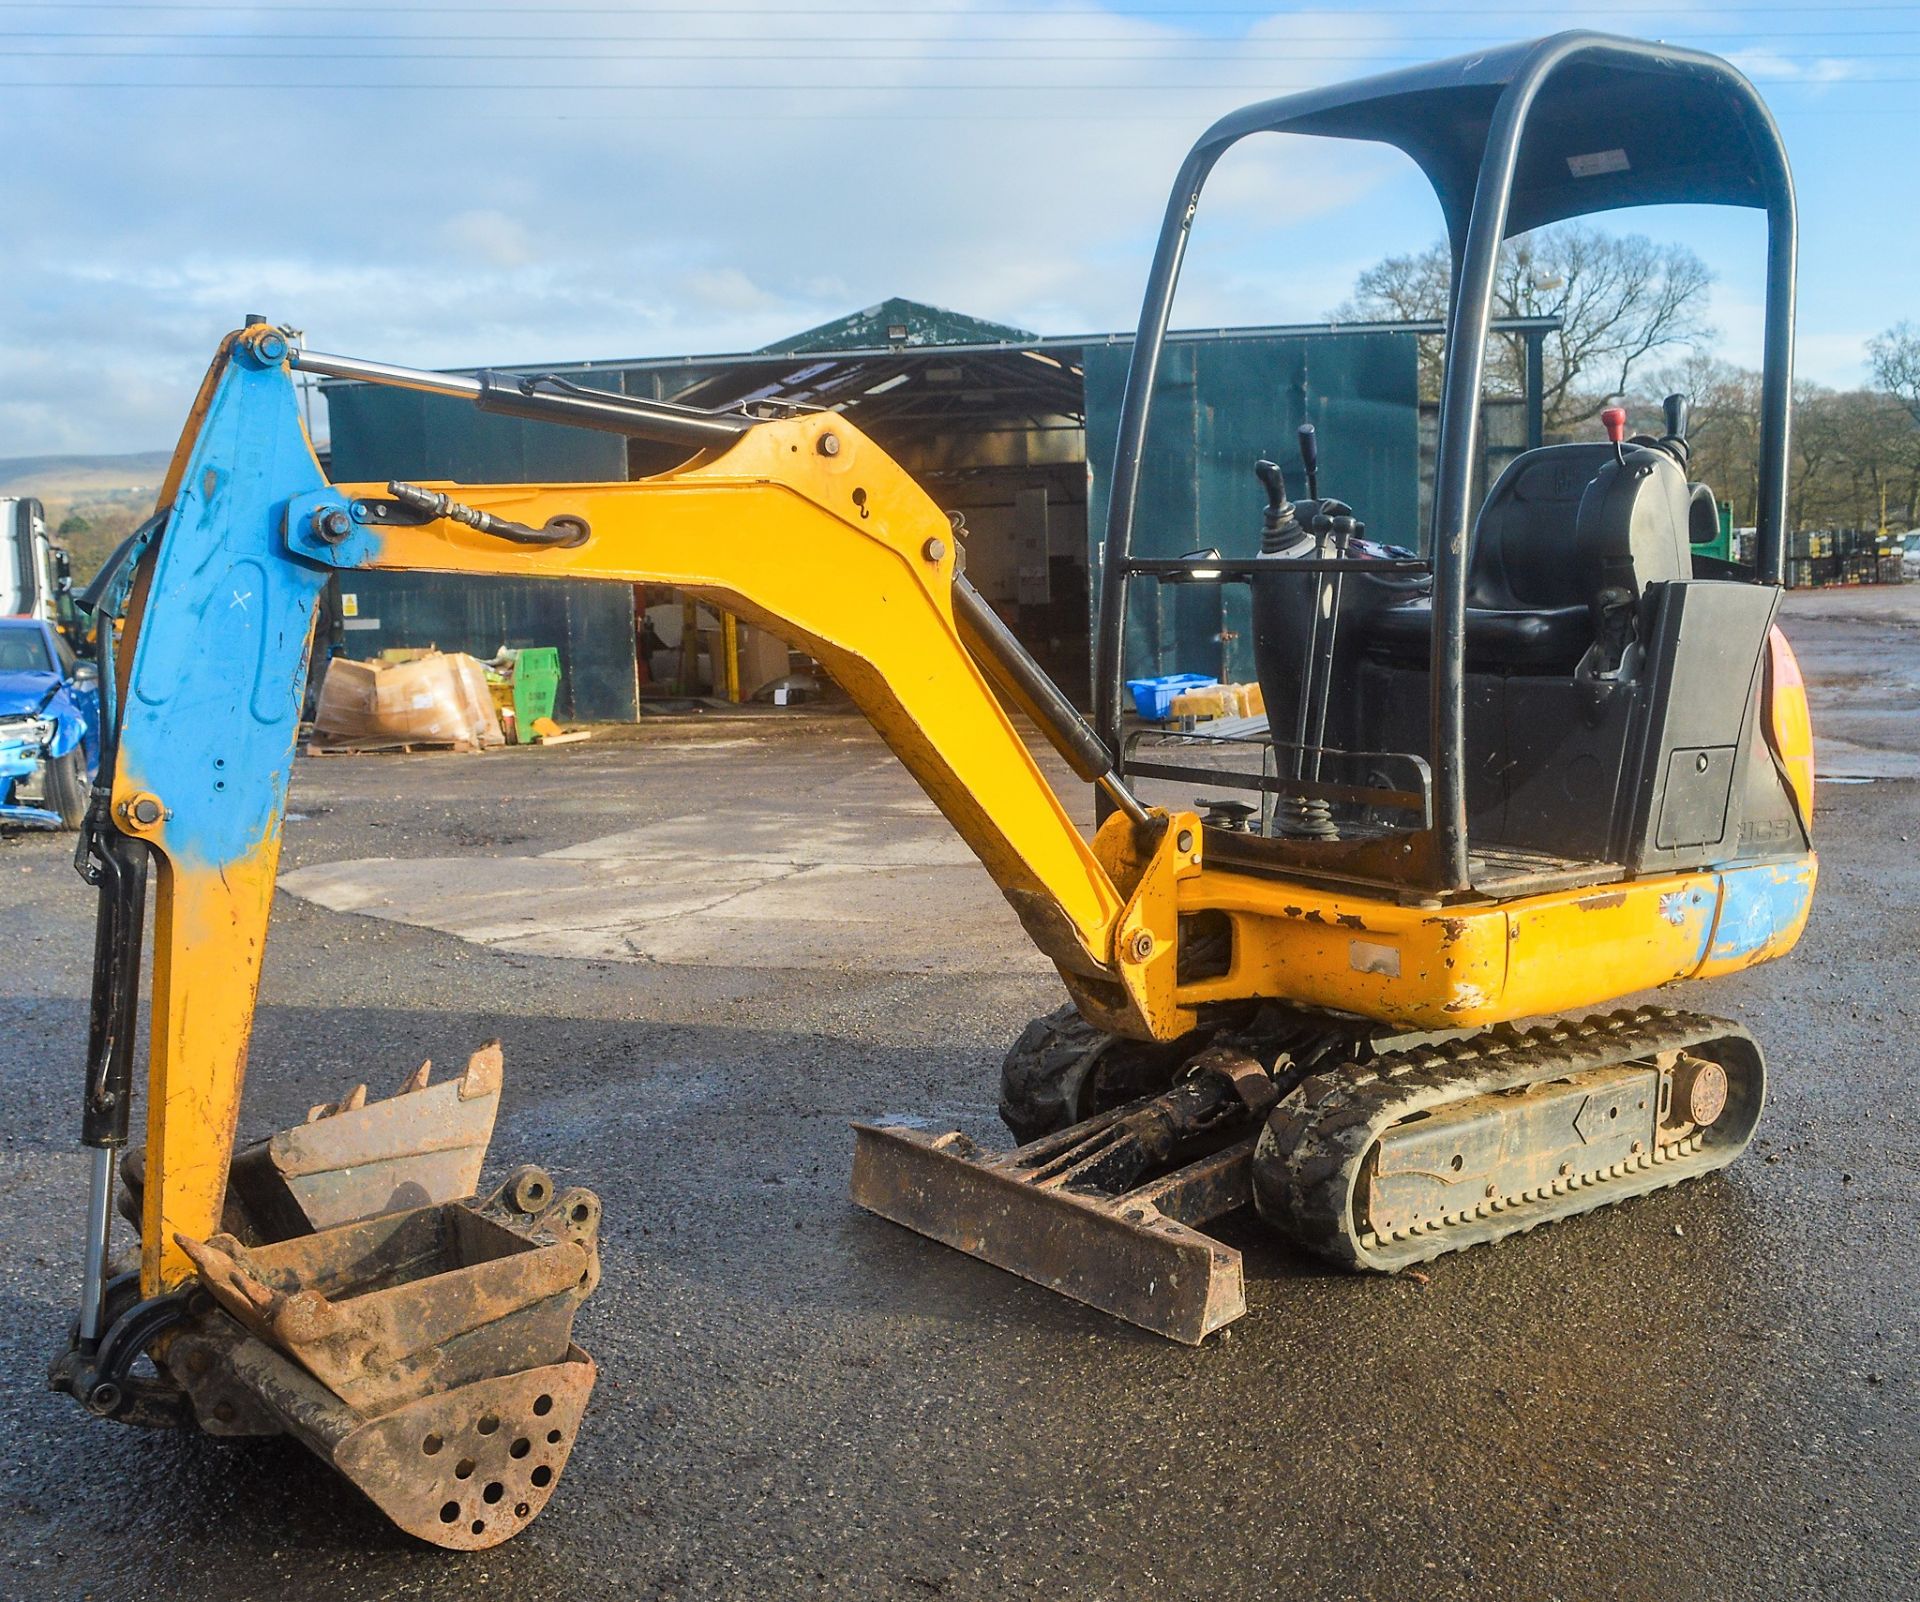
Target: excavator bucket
column 426, row 1355
column 355, row 1159
column 416, row 1340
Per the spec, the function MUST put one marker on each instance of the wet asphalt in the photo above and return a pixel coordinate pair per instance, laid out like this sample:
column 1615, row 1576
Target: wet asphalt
column 1708, row 1393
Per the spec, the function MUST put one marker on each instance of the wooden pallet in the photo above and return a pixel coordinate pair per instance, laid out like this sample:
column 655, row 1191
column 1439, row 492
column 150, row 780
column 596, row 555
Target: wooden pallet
column 321, row 746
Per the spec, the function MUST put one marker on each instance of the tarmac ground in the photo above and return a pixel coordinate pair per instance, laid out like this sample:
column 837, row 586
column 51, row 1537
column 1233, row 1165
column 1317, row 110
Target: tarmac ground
column 1709, row 1393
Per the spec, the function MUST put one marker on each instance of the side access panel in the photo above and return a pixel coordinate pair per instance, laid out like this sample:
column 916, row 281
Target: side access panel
column 1704, row 660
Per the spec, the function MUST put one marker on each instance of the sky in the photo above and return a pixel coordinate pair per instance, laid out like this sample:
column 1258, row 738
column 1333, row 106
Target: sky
column 445, row 183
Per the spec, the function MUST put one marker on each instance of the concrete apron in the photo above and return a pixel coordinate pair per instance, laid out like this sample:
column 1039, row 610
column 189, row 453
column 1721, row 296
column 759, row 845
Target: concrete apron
column 886, row 887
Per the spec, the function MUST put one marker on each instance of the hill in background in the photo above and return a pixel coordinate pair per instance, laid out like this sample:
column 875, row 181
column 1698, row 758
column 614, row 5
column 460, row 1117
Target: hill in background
column 99, row 500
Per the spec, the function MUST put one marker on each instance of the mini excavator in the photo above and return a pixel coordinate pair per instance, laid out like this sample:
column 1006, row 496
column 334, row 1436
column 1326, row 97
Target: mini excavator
column 1551, row 759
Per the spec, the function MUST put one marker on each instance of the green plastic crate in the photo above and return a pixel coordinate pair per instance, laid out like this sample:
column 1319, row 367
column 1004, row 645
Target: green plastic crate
column 536, row 684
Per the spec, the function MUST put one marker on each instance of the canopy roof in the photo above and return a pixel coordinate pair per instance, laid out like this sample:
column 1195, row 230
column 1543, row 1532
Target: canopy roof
column 1614, row 122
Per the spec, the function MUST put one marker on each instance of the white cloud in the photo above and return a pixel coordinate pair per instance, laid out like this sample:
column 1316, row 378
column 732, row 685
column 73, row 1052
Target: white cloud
column 684, row 180
column 492, row 236
column 687, row 180
column 726, row 289
column 1762, row 65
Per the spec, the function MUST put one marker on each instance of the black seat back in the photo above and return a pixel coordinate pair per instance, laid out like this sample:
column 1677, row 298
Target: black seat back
column 1525, row 556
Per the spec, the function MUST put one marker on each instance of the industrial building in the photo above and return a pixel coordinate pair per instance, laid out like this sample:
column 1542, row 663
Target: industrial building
column 1011, row 432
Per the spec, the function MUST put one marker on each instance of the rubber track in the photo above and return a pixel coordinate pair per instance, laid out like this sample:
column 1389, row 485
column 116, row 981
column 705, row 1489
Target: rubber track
column 1308, row 1162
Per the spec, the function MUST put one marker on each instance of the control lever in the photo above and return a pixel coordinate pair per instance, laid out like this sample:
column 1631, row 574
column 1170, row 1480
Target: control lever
column 1336, row 517
column 1614, row 420
column 1677, row 409
column 1279, row 509
column 1310, row 459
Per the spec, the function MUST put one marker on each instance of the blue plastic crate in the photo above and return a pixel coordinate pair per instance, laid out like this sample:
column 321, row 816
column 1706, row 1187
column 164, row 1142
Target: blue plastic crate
column 1153, row 698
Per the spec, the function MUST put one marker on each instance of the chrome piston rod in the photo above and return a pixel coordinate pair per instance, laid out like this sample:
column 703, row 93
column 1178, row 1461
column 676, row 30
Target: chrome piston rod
column 99, row 1237
column 522, row 395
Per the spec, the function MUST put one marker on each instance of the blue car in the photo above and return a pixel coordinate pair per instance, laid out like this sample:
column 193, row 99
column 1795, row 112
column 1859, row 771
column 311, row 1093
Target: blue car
column 49, row 726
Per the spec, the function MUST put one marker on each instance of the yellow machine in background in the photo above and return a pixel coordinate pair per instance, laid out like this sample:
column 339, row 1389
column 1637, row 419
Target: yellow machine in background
column 1554, row 761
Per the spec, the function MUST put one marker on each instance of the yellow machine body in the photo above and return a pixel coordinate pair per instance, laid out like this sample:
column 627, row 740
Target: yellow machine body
column 848, row 559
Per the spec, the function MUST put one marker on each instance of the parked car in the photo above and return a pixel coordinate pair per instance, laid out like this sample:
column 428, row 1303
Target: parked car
column 1910, row 555
column 49, row 726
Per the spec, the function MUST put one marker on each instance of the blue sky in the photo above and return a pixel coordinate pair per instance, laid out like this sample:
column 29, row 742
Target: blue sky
column 458, row 182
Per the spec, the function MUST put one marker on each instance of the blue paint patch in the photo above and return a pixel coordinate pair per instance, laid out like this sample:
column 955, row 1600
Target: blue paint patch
column 1691, row 911
column 220, row 664
column 1757, row 906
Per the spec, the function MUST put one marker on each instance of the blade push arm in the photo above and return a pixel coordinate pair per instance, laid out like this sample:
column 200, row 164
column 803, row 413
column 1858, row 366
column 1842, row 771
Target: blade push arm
column 802, row 526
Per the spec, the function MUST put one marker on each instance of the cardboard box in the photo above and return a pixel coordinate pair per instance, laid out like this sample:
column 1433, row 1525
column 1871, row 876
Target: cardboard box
column 1212, row 701
column 435, row 699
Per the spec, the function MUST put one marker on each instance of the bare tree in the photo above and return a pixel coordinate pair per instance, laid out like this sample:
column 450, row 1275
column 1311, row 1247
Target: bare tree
column 1856, row 453
column 1620, row 299
column 1895, row 356
column 1724, row 433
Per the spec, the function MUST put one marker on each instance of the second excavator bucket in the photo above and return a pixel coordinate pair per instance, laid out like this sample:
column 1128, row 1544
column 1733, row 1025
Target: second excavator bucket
column 356, row 1158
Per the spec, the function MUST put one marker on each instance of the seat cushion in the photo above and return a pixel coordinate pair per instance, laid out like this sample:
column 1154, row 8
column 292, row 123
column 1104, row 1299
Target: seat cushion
column 1540, row 640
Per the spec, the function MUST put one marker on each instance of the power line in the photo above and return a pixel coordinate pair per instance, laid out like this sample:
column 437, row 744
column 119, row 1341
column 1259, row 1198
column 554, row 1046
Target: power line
column 1090, row 119
column 1142, row 41
column 1618, row 8
column 440, row 54
column 576, row 85
column 348, row 56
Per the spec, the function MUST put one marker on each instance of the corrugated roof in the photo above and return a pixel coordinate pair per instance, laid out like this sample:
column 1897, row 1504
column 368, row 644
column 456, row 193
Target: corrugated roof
column 898, row 322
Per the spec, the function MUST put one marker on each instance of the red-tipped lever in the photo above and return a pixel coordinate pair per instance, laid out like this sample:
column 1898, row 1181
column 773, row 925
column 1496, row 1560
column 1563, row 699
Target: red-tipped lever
column 1614, row 420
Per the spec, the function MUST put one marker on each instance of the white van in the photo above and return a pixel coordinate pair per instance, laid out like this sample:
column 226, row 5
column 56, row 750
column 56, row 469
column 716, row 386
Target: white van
column 31, row 577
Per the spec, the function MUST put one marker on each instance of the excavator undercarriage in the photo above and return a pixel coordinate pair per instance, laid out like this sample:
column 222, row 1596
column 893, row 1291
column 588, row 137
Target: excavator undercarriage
column 1372, row 1152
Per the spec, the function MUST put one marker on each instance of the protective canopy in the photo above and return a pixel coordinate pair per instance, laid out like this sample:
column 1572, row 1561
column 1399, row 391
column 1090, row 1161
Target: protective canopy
column 1625, row 124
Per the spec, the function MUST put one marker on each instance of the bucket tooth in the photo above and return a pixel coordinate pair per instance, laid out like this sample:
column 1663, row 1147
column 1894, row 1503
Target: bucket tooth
column 427, row 1356
column 424, row 1144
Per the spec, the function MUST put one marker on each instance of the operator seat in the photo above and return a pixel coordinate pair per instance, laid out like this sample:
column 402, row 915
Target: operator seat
column 1635, row 529
column 1564, row 549
column 1528, row 607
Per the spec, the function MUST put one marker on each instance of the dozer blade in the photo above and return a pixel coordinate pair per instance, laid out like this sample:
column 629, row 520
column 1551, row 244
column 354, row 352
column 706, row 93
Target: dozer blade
column 427, row 1355
column 355, row 1159
column 1133, row 1253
